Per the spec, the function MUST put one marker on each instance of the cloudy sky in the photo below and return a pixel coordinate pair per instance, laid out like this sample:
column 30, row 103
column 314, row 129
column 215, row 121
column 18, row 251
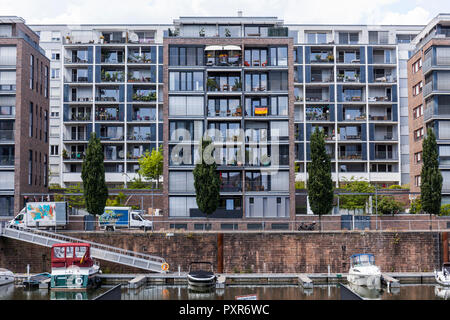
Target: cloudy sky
column 164, row 11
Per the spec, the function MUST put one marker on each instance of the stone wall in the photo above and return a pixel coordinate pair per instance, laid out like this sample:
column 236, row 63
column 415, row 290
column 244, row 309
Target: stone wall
column 257, row 252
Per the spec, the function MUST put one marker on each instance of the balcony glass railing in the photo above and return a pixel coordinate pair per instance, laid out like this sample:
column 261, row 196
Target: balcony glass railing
column 144, row 57
column 350, row 155
column 112, row 76
column 383, row 155
column 79, row 117
column 224, row 59
column 6, row 160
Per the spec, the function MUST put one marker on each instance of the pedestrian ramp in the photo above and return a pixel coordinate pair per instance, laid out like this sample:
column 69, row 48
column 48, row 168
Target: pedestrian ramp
column 98, row 251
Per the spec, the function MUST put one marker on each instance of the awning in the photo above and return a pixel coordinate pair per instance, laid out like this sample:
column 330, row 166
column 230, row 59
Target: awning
column 231, row 47
column 213, row 48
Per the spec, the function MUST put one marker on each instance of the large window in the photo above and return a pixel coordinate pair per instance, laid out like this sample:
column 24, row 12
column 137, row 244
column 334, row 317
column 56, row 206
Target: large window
column 255, row 57
column 348, row 37
column 316, row 37
column 186, row 81
column 186, row 56
column 256, row 82
column 186, row 105
column 278, row 81
column 224, row 108
column 278, row 56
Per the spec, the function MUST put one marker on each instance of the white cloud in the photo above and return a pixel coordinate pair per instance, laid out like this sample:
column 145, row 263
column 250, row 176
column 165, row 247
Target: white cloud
column 416, row 16
column 164, row 11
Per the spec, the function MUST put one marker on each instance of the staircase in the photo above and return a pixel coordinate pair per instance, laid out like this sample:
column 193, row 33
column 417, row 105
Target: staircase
column 98, row 251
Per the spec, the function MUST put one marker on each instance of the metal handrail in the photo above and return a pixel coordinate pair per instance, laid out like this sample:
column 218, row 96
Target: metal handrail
column 94, row 245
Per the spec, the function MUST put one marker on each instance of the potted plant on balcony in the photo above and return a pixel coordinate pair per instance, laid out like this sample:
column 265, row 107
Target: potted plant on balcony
column 64, row 154
column 318, row 57
column 201, row 33
column 330, row 57
column 102, row 39
column 237, row 85
column 211, row 84
column 227, row 33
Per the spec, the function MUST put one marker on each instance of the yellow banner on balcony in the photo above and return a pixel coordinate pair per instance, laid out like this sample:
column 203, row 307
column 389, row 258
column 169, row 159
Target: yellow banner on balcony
column 261, row 110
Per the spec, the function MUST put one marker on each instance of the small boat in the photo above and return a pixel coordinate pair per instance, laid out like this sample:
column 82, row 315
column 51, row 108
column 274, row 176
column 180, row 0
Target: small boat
column 442, row 292
column 443, row 277
column 6, row 276
column 199, row 277
column 73, row 268
column 37, row 281
column 363, row 271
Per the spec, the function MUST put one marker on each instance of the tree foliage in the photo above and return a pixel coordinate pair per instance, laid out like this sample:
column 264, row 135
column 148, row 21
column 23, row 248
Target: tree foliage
column 388, row 205
column 416, row 206
column 431, row 177
column 206, row 182
column 73, row 201
column 319, row 184
column 93, row 176
column 354, row 202
column 151, row 165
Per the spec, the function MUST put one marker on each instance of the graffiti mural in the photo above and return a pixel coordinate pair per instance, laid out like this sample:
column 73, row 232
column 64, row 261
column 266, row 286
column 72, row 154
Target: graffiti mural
column 40, row 212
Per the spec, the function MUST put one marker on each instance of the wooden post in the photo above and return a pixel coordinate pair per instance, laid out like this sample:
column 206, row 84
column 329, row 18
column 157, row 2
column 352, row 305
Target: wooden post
column 445, row 246
column 220, row 252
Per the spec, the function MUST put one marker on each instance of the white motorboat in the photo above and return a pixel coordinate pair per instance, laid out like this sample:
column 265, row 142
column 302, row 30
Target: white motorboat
column 442, row 292
column 199, row 278
column 363, row 271
column 6, row 276
column 443, row 276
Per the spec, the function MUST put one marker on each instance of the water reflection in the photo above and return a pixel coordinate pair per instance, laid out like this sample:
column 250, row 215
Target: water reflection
column 264, row 292
column 365, row 292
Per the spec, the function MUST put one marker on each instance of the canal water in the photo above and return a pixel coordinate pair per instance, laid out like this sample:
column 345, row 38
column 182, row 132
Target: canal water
column 263, row 292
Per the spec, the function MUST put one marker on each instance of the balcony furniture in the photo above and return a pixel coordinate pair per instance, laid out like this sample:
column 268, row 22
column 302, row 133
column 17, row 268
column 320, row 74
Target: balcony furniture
column 388, row 137
column 380, row 79
column 356, row 61
column 225, row 87
column 357, row 98
column 372, row 99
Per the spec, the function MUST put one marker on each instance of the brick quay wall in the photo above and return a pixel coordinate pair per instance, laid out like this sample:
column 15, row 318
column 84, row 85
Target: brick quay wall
column 289, row 252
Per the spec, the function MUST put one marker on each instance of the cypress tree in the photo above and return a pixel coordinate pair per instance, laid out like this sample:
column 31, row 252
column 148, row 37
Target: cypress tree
column 431, row 177
column 93, row 176
column 206, row 182
column 319, row 184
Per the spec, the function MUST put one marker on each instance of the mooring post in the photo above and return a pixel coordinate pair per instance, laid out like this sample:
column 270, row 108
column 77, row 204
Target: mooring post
column 220, row 252
column 445, row 246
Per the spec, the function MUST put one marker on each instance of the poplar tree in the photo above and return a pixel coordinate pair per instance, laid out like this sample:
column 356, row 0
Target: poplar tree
column 319, row 184
column 431, row 177
column 206, row 182
column 93, row 176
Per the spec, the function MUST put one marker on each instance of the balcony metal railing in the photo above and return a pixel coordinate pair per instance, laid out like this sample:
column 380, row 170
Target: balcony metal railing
column 7, row 135
column 79, row 117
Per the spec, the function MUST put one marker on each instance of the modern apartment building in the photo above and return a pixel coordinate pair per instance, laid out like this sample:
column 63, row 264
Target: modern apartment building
column 24, row 80
column 106, row 79
column 429, row 97
column 138, row 86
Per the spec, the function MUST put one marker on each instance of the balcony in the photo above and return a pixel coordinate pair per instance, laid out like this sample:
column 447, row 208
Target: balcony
column 318, row 114
column 7, row 88
column 348, row 78
column 107, row 116
column 141, row 76
column 321, row 57
column 80, row 137
column 225, row 59
column 385, row 155
column 112, row 75
column 139, row 57
column 112, row 57
column 6, row 160
column 231, row 83
column 144, row 96
column 380, row 99
column 256, row 186
column 7, row 135
column 350, row 155
column 79, row 117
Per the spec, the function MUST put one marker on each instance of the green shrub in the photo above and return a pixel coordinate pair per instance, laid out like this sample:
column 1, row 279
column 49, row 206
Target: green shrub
column 445, row 210
column 300, row 185
column 395, row 186
column 388, row 205
column 416, row 206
